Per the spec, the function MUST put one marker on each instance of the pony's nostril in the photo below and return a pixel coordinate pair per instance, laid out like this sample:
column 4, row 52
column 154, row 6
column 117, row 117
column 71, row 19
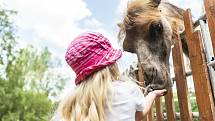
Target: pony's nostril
column 156, row 29
column 149, row 75
column 159, row 27
column 160, row 82
column 147, row 79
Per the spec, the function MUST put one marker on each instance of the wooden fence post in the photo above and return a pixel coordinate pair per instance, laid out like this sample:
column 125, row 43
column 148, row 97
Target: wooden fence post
column 210, row 13
column 170, row 109
column 180, row 77
column 158, row 105
column 140, row 77
column 208, row 49
column 151, row 115
column 199, row 69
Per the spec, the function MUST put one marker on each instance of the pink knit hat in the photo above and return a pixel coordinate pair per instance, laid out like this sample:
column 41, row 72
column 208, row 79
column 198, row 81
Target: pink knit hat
column 90, row 52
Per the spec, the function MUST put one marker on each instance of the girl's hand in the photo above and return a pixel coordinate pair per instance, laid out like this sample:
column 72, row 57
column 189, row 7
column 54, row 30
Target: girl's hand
column 159, row 93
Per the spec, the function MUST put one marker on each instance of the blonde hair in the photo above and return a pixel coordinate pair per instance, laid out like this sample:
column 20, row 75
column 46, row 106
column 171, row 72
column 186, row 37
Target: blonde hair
column 90, row 98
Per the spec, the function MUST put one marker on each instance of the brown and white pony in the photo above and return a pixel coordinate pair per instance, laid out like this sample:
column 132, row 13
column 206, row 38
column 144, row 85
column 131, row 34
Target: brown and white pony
column 147, row 30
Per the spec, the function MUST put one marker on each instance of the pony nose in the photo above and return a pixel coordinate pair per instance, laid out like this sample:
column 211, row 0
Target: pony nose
column 156, row 28
column 157, row 79
column 149, row 74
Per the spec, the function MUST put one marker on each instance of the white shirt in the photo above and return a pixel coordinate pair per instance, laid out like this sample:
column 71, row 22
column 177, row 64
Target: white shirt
column 127, row 98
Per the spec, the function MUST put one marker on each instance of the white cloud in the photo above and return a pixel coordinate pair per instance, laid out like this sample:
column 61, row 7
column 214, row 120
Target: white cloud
column 52, row 23
column 121, row 9
column 196, row 6
column 122, row 6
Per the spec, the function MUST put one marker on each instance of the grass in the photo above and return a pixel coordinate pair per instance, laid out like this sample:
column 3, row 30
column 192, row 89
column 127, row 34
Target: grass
column 192, row 99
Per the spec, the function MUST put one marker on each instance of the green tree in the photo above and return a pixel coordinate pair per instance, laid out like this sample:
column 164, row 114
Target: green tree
column 24, row 89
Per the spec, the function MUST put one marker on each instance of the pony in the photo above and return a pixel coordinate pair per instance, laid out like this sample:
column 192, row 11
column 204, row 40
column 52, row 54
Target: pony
column 148, row 29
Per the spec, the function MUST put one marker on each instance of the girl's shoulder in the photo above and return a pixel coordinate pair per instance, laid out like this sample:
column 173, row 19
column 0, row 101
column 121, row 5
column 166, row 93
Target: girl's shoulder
column 128, row 83
column 125, row 87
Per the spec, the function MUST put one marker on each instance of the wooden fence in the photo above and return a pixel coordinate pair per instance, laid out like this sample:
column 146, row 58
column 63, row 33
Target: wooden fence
column 200, row 72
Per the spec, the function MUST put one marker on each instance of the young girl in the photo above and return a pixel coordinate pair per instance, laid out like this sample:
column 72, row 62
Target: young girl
column 101, row 93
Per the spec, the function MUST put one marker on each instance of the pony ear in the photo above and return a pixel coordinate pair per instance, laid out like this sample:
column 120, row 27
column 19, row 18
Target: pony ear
column 155, row 3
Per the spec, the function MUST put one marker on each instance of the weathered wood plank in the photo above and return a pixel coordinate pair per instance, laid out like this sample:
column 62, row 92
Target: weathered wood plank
column 169, row 102
column 210, row 13
column 180, row 78
column 208, row 49
column 140, row 77
column 158, row 105
column 151, row 115
column 200, row 73
column 201, row 81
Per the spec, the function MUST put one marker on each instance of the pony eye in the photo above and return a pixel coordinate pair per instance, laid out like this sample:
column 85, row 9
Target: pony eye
column 156, row 29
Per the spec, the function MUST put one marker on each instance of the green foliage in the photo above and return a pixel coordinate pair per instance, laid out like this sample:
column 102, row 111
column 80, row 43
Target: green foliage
column 20, row 97
column 192, row 99
column 24, row 81
column 7, row 37
column 29, row 65
column 24, row 106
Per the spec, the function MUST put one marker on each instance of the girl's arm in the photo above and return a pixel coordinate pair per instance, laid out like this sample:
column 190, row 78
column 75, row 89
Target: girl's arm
column 149, row 99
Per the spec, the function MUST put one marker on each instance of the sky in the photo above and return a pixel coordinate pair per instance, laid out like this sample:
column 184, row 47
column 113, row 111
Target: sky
column 54, row 23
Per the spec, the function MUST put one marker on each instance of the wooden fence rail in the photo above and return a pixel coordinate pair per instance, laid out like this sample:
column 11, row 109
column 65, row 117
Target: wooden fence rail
column 210, row 13
column 201, row 78
column 199, row 69
column 180, row 78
